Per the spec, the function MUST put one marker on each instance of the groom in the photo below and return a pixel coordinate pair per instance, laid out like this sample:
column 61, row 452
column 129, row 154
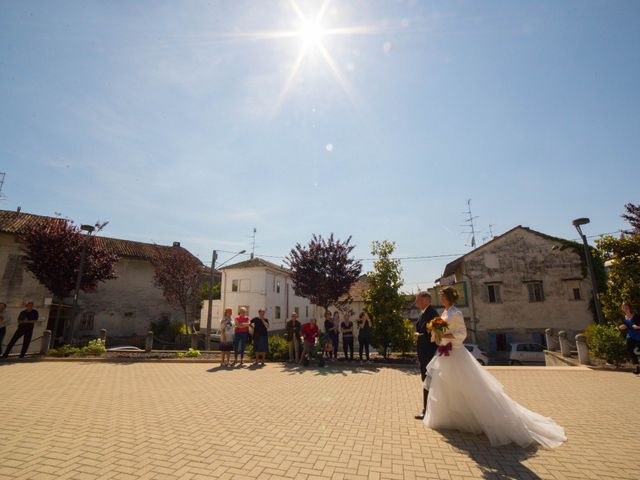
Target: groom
column 426, row 348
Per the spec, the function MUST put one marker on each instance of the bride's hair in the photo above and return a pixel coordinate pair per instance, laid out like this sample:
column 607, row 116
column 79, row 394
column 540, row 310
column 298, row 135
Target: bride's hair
column 451, row 294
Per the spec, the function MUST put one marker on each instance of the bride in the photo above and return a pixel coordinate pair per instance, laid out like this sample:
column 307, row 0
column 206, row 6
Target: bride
column 465, row 397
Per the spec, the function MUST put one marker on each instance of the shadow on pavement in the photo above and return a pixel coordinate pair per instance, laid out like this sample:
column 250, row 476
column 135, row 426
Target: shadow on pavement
column 496, row 463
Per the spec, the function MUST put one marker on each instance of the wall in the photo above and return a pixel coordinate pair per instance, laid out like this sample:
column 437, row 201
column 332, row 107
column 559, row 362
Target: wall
column 127, row 305
column 510, row 262
column 18, row 286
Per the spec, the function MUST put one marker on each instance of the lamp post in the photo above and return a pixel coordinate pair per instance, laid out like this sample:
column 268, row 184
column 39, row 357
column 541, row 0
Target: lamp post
column 89, row 229
column 214, row 257
column 587, row 253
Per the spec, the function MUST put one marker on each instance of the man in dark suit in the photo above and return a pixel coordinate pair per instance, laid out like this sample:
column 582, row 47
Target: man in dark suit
column 426, row 348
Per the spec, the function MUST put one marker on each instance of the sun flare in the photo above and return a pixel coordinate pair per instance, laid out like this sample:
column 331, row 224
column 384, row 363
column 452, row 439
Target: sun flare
column 311, row 33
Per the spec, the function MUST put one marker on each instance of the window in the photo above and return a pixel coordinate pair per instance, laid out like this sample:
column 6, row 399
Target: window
column 576, row 293
column 86, row 321
column 243, row 285
column 246, row 307
column 493, row 292
column 573, row 289
column 536, row 294
column 277, row 313
column 297, row 310
column 306, row 311
column 278, row 286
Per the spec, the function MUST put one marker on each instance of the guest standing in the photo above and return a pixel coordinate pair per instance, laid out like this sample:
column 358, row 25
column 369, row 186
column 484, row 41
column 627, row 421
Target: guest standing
column 260, row 337
column 241, row 335
column 335, row 336
column 3, row 323
column 226, row 337
column 364, row 335
column 631, row 324
column 425, row 345
column 26, row 321
column 292, row 334
column 346, row 327
column 309, row 334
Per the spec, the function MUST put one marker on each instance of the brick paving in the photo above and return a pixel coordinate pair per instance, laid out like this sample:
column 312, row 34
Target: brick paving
column 194, row 421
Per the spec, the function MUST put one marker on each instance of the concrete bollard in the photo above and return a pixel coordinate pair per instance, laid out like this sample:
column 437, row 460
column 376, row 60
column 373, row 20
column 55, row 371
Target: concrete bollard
column 565, row 347
column 148, row 342
column 194, row 341
column 103, row 336
column 46, row 342
column 583, row 349
column 551, row 342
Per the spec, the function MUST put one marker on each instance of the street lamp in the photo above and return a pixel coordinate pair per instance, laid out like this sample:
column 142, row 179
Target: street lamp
column 214, row 257
column 587, row 253
column 89, row 229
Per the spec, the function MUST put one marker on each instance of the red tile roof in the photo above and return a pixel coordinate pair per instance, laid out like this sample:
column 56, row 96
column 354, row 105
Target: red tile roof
column 13, row 222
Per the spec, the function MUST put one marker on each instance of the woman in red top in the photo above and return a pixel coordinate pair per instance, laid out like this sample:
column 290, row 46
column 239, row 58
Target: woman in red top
column 241, row 335
column 309, row 334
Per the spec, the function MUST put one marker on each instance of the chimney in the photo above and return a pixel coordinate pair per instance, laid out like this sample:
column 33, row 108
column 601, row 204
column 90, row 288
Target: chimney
column 176, row 244
column 18, row 209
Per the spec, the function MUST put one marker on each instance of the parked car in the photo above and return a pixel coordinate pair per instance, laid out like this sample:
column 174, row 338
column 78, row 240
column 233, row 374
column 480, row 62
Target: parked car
column 522, row 353
column 479, row 355
column 215, row 335
column 125, row 348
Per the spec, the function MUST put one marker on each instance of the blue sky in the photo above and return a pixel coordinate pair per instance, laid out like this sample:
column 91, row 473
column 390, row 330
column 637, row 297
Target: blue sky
column 168, row 119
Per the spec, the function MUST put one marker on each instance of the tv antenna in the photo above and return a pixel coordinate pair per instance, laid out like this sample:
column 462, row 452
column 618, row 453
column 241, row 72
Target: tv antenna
column 253, row 246
column 469, row 223
column 2, row 175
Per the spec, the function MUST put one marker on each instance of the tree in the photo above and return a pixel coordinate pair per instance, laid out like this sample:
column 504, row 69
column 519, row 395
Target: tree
column 323, row 271
column 383, row 300
column 52, row 254
column 180, row 276
column 624, row 273
column 633, row 217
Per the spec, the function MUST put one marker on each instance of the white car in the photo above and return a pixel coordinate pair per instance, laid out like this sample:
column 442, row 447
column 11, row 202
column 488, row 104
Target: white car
column 522, row 353
column 479, row 355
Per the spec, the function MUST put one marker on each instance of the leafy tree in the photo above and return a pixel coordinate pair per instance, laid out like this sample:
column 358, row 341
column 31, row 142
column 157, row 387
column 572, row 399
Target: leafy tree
column 323, row 271
column 180, row 276
column 383, row 300
column 624, row 273
column 52, row 254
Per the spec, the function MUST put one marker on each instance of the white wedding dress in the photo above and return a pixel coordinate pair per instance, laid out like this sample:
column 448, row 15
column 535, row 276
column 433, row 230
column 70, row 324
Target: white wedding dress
column 465, row 397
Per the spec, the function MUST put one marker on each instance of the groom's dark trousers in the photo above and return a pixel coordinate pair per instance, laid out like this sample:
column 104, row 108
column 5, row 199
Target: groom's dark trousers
column 426, row 348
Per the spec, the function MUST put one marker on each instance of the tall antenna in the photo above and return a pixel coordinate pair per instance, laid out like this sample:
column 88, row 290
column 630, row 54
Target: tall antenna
column 253, row 246
column 469, row 223
column 2, row 175
column 491, row 235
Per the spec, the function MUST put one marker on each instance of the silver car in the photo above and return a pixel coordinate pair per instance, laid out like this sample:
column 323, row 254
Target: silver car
column 522, row 353
column 479, row 355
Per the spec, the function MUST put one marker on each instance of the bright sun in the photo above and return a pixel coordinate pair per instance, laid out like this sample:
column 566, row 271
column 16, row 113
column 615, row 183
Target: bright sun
column 311, row 33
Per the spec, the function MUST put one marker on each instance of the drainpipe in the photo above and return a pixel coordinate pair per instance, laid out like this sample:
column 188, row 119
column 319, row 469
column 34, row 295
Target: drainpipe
column 474, row 320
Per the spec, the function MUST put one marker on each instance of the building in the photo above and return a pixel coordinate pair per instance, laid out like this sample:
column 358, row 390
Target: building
column 517, row 285
column 257, row 283
column 124, row 306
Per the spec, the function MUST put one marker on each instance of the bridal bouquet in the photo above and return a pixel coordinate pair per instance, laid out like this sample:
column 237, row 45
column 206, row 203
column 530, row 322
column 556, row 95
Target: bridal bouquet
column 438, row 327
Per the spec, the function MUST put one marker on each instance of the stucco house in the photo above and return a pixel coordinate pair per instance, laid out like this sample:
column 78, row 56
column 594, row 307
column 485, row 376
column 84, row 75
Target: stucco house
column 125, row 306
column 257, row 283
column 518, row 284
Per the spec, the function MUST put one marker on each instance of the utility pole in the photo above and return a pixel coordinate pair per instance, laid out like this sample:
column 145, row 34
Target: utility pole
column 207, row 340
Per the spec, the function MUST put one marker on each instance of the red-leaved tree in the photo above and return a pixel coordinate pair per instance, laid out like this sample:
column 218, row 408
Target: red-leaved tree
column 52, row 250
column 633, row 217
column 324, row 270
column 180, row 275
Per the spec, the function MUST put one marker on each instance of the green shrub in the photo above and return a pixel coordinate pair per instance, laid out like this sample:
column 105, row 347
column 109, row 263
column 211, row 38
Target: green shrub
column 405, row 338
column 607, row 343
column 191, row 353
column 64, row 351
column 94, row 348
column 167, row 330
column 278, row 349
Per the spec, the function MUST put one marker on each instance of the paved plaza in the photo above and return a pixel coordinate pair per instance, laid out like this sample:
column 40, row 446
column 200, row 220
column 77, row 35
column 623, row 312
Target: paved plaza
column 81, row 420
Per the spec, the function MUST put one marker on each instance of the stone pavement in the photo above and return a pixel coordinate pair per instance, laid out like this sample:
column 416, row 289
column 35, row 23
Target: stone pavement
column 190, row 421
